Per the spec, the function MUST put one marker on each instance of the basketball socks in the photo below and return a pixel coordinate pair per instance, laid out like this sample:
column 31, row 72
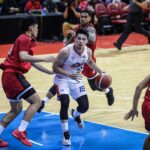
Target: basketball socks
column 76, row 113
column 1, row 129
column 23, row 125
column 46, row 99
column 106, row 90
column 64, row 126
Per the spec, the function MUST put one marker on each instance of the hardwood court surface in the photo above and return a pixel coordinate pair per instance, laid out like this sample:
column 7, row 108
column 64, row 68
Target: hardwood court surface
column 127, row 68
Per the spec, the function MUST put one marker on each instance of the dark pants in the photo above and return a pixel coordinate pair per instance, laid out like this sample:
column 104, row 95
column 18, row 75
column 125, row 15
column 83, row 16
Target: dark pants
column 133, row 21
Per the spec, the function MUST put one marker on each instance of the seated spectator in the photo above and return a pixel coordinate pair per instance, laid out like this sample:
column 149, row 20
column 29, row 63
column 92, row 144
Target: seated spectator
column 10, row 7
column 71, row 16
column 51, row 5
column 32, row 5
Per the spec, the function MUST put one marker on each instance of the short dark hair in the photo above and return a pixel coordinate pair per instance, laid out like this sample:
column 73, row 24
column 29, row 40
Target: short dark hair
column 27, row 22
column 82, row 31
column 87, row 11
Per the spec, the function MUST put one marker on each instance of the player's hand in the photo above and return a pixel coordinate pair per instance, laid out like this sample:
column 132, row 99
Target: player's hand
column 49, row 59
column 131, row 114
column 76, row 77
column 134, row 1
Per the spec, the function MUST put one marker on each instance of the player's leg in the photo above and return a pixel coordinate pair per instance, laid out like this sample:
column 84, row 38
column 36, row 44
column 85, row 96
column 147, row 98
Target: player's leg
column 15, row 110
column 83, row 106
column 51, row 93
column 64, row 100
column 91, row 76
column 63, row 91
column 145, row 114
column 147, row 143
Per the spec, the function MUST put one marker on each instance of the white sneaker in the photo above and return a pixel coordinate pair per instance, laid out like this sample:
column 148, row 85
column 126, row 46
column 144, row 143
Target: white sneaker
column 66, row 139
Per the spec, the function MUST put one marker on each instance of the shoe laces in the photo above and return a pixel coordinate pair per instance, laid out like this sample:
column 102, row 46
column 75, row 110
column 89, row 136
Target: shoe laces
column 23, row 134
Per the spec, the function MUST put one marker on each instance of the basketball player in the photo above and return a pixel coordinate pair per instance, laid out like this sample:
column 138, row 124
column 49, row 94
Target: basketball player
column 146, row 104
column 68, row 80
column 19, row 61
column 134, row 20
column 85, row 23
column 147, row 143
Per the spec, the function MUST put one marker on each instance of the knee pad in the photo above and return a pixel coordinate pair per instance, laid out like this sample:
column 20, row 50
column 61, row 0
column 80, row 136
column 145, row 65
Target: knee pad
column 64, row 99
column 83, row 104
column 53, row 90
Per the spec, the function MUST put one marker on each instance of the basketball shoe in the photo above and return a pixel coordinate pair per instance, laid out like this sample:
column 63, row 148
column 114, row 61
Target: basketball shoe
column 117, row 45
column 110, row 97
column 3, row 143
column 66, row 138
column 78, row 120
column 22, row 137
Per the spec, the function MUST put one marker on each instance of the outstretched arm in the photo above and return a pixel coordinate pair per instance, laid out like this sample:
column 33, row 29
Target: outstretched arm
column 41, row 68
column 134, row 112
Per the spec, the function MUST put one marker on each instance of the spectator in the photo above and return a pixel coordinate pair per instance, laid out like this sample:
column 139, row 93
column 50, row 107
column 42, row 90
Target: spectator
column 32, row 5
column 10, row 7
column 71, row 16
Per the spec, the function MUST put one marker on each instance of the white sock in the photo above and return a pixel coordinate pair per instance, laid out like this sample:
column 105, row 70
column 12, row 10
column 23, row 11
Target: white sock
column 46, row 99
column 64, row 126
column 76, row 113
column 23, row 125
column 1, row 129
column 106, row 90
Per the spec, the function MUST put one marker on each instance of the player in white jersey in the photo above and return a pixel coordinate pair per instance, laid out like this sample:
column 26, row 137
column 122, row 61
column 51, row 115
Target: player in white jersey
column 68, row 80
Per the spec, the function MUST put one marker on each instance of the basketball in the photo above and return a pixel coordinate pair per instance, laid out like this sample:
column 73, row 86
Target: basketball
column 103, row 81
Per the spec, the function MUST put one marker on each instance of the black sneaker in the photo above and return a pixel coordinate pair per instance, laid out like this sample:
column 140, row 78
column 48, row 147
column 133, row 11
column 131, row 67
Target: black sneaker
column 42, row 106
column 110, row 97
column 117, row 46
column 78, row 120
column 66, row 138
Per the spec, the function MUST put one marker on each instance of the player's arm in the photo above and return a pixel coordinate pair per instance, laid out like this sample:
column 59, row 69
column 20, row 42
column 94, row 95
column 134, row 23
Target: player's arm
column 92, row 34
column 60, row 59
column 142, row 85
column 142, row 4
column 24, row 56
column 91, row 63
column 41, row 68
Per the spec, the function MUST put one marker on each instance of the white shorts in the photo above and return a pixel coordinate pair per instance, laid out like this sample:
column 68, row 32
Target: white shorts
column 64, row 86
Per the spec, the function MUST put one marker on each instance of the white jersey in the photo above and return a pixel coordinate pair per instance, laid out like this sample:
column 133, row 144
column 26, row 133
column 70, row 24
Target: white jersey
column 74, row 63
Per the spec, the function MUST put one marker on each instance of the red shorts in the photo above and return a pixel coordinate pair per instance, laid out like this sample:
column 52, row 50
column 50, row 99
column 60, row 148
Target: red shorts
column 16, row 86
column 146, row 113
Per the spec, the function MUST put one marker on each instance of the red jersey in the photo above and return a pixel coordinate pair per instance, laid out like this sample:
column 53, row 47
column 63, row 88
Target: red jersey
column 12, row 61
column 147, row 94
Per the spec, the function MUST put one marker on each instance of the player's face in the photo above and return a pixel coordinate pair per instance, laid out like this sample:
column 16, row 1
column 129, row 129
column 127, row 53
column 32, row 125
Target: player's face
column 80, row 41
column 85, row 19
column 34, row 30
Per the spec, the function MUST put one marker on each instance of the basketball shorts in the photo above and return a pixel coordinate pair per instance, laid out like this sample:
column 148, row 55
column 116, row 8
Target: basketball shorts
column 146, row 113
column 64, row 86
column 16, row 86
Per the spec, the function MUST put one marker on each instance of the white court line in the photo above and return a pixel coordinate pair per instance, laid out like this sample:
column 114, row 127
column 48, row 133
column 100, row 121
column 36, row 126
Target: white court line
column 36, row 142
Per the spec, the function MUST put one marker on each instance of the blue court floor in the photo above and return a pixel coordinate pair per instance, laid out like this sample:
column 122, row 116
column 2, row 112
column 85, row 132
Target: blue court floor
column 45, row 133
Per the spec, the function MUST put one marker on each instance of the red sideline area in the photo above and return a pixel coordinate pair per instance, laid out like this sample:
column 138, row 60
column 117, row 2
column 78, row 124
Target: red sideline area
column 102, row 42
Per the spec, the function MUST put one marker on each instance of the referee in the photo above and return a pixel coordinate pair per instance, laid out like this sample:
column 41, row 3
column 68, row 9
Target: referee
column 134, row 20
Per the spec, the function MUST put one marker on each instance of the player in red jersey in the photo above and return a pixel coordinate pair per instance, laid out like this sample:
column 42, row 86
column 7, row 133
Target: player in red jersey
column 19, row 61
column 146, row 103
column 85, row 23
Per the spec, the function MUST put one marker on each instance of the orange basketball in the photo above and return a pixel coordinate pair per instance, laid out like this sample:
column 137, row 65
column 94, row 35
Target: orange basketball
column 103, row 81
